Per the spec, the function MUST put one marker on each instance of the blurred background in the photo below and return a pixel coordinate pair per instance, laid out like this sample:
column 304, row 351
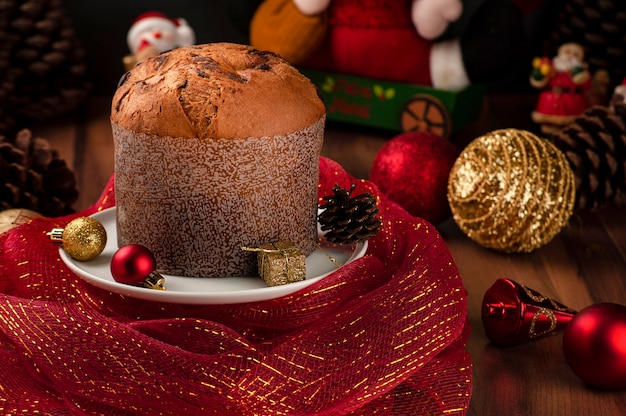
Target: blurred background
column 101, row 27
column 54, row 53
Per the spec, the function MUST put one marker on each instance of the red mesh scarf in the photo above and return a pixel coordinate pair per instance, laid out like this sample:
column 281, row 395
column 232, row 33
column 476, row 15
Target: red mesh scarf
column 384, row 335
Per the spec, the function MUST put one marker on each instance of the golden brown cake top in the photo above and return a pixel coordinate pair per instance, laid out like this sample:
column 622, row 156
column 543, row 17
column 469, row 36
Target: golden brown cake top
column 218, row 90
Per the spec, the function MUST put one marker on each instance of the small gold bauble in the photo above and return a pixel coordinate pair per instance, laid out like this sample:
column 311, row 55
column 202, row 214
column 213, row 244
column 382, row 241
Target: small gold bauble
column 511, row 191
column 84, row 238
column 11, row 218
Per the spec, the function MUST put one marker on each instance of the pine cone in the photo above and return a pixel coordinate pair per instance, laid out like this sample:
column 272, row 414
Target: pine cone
column 595, row 145
column 42, row 67
column 349, row 219
column 34, row 177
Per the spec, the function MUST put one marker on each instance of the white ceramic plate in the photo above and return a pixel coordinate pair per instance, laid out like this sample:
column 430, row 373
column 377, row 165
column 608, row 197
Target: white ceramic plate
column 204, row 291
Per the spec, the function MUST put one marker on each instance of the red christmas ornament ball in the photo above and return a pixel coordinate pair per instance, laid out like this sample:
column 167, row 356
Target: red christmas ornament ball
column 594, row 345
column 132, row 263
column 412, row 170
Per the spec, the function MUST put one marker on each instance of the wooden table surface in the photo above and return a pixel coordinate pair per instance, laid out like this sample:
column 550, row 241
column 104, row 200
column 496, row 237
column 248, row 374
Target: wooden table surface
column 584, row 264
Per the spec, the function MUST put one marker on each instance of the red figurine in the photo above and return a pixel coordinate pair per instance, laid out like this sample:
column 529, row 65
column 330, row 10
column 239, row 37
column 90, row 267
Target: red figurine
column 446, row 44
column 564, row 80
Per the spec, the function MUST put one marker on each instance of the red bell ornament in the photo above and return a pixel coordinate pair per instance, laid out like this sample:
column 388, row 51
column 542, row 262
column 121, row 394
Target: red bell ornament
column 513, row 314
column 134, row 264
column 594, row 345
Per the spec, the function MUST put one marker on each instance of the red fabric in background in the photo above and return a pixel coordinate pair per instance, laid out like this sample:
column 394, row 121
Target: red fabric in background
column 384, row 335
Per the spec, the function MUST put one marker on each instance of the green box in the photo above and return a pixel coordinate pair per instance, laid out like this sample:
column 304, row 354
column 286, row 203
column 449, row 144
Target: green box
column 396, row 106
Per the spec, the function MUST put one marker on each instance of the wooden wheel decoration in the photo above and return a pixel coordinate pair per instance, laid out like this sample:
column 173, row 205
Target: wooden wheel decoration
column 426, row 113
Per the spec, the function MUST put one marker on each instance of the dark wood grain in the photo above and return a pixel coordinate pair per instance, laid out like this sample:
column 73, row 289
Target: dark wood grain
column 584, row 264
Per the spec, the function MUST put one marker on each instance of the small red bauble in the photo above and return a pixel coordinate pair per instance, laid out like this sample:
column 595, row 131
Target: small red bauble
column 594, row 345
column 412, row 170
column 132, row 264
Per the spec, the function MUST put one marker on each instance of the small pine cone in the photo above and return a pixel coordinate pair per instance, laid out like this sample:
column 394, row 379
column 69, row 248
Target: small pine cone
column 595, row 146
column 34, row 177
column 348, row 219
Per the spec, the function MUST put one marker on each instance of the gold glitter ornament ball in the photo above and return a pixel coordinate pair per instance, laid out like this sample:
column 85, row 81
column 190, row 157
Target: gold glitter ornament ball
column 511, row 191
column 84, row 238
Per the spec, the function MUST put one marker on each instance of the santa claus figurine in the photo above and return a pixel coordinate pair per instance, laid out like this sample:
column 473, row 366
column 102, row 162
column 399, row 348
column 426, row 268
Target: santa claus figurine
column 619, row 94
column 564, row 80
column 153, row 33
column 406, row 41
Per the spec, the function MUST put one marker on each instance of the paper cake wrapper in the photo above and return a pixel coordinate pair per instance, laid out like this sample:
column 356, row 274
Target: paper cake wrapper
column 194, row 203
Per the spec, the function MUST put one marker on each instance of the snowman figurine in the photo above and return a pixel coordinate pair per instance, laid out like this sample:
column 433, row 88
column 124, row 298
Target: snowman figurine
column 153, row 33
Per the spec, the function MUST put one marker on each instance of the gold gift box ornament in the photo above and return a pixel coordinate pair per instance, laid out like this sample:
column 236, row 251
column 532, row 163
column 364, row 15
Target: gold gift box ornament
column 280, row 263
